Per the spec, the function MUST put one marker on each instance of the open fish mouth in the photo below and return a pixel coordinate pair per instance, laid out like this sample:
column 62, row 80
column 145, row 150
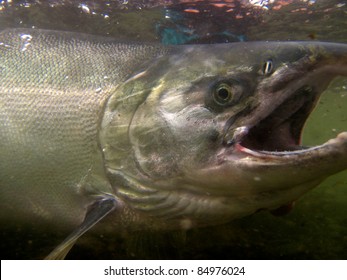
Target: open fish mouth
column 279, row 134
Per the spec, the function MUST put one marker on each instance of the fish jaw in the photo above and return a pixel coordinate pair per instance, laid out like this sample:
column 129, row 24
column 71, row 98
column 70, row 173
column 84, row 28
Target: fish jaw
column 265, row 171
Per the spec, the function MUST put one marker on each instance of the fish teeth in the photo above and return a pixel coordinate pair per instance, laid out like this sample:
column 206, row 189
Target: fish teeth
column 237, row 135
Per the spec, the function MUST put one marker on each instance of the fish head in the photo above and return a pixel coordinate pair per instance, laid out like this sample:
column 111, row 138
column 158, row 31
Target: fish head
column 218, row 132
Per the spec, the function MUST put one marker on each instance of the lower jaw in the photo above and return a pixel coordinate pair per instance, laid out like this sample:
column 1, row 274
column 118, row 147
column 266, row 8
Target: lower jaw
column 296, row 151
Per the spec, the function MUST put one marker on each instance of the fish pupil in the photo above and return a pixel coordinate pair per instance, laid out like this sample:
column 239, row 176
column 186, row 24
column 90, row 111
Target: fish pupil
column 223, row 94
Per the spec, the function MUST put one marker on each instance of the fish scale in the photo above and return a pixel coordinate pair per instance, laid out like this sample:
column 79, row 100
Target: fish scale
column 61, row 81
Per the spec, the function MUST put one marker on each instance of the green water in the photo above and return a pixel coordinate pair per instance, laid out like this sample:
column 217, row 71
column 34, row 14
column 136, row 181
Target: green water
column 317, row 226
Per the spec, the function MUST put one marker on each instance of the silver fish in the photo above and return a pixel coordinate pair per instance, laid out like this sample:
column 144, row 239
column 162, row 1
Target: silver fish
column 154, row 136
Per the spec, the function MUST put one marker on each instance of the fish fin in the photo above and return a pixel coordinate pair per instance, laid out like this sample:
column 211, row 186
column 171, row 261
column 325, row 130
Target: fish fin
column 98, row 210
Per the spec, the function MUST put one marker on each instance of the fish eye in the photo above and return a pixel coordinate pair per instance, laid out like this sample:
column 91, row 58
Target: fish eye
column 223, row 94
column 268, row 67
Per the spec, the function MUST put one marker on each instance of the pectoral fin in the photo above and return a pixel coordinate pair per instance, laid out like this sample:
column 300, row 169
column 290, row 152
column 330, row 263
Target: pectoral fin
column 97, row 211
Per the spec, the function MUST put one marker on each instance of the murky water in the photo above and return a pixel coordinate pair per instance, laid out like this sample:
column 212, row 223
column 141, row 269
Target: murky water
column 317, row 226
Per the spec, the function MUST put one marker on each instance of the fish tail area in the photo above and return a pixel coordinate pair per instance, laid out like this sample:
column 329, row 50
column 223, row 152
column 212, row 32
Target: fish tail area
column 98, row 210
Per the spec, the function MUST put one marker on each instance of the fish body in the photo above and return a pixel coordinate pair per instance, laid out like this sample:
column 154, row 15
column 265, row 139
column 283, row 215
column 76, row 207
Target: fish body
column 49, row 128
column 155, row 136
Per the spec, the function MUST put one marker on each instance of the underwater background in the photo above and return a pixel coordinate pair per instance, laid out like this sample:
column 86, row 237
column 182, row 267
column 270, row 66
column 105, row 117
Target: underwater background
column 317, row 226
